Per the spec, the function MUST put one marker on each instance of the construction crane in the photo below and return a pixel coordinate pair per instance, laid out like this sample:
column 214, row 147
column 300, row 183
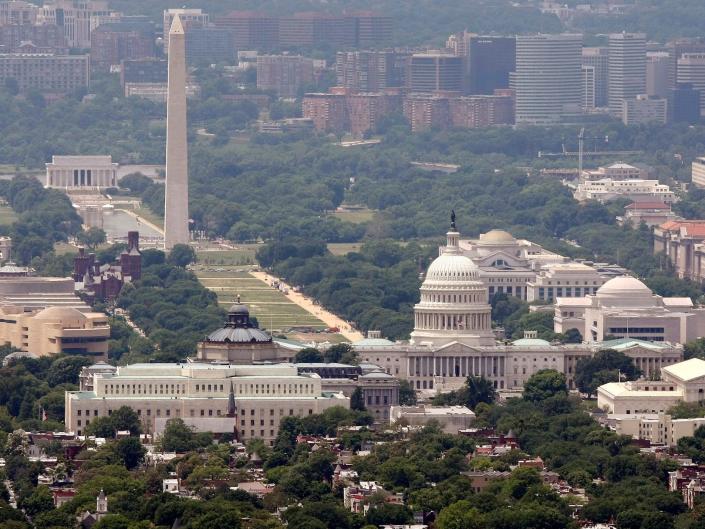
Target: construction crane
column 580, row 153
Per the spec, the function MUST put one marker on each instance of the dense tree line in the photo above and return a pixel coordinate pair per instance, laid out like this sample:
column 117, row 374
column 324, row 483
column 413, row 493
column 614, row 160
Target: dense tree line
column 107, row 123
column 46, row 216
column 375, row 288
column 170, row 305
column 33, row 388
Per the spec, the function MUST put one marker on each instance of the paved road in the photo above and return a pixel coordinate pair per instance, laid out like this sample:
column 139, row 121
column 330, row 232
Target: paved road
column 307, row 304
column 158, row 229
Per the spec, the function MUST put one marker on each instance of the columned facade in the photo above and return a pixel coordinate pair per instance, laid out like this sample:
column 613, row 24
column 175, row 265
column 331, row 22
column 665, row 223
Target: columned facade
column 454, row 305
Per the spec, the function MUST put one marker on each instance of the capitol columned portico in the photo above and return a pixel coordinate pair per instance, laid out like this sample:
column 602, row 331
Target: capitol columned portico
column 454, row 305
column 453, row 339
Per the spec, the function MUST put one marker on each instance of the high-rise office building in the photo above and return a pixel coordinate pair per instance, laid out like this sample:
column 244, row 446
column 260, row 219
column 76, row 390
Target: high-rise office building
column 659, row 73
column 435, row 72
column 208, row 44
column 490, row 60
column 458, row 43
column 372, row 29
column 74, row 16
column 18, row 12
column 684, row 104
column 598, row 58
column 284, row 74
column 627, row 69
column 315, row 29
column 366, row 70
column 251, row 30
column 588, row 86
column 125, row 40
column 691, row 69
column 677, row 48
column 547, row 78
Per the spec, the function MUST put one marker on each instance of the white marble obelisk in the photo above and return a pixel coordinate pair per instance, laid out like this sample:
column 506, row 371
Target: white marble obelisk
column 176, row 193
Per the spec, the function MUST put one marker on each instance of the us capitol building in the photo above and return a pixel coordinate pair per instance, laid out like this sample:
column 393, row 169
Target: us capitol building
column 453, row 338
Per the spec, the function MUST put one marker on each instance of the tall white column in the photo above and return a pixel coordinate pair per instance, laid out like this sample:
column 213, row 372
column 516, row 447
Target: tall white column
column 176, row 192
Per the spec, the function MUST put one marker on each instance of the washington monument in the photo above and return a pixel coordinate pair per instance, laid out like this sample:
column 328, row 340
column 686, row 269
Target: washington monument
column 176, row 193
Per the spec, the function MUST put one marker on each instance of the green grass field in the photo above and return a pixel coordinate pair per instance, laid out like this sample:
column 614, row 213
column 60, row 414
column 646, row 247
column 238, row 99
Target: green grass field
column 342, row 248
column 356, row 216
column 274, row 311
column 7, row 215
column 244, row 254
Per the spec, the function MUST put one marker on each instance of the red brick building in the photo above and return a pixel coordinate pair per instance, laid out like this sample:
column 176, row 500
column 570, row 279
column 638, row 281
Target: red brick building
column 251, row 30
column 313, row 29
column 365, row 110
column 113, row 43
column 344, row 111
column 327, row 111
column 426, row 111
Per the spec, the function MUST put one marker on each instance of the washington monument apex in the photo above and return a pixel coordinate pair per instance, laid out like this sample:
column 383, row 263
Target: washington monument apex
column 176, row 193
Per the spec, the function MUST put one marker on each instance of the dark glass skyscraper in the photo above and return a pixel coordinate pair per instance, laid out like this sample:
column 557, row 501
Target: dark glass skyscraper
column 490, row 60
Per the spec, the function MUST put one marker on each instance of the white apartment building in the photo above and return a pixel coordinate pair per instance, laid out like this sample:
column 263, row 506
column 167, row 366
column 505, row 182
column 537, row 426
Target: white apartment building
column 684, row 381
column 624, row 307
column 564, row 280
column 256, row 396
column 636, row 190
column 81, row 171
column 75, row 17
column 698, row 172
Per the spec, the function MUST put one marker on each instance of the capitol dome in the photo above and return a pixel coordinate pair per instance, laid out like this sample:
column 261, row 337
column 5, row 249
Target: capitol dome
column 454, row 303
column 452, row 267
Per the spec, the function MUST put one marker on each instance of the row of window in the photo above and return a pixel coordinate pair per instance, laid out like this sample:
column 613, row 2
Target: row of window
column 180, row 389
column 629, row 330
column 567, row 292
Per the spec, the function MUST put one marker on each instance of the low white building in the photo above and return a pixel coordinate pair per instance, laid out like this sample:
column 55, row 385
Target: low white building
column 506, row 264
column 616, row 171
column 449, row 418
column 658, row 429
column 81, row 171
column 684, row 381
column 633, row 189
column 564, row 279
column 250, row 399
column 624, row 307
